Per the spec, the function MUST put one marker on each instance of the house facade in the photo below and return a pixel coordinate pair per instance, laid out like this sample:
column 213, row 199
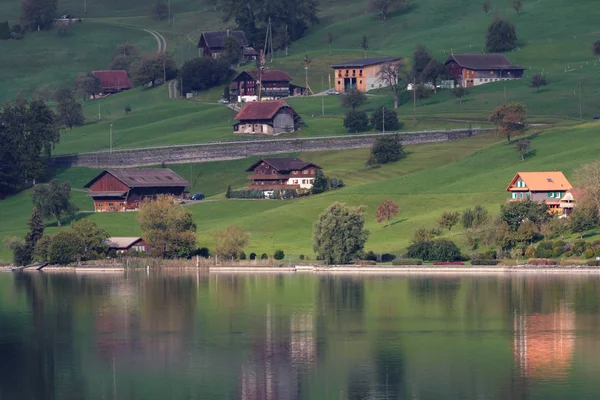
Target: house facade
column 266, row 118
column 275, row 85
column 282, row 173
column 210, row 44
column 127, row 244
column 123, row 189
column 113, row 81
column 363, row 75
column 548, row 187
column 477, row 69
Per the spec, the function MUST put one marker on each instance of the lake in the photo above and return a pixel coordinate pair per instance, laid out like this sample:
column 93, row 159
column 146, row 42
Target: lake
column 187, row 335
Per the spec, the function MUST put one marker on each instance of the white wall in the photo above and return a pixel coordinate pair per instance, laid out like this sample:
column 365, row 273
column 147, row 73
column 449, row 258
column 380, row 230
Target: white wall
column 297, row 180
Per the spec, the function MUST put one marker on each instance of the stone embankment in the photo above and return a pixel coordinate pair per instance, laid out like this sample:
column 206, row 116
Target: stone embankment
column 233, row 150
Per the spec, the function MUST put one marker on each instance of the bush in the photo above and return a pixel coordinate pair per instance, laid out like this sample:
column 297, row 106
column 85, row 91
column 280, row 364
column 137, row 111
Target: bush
column 253, row 256
column 542, row 261
column 264, row 256
column 434, row 250
column 242, row 256
column 448, row 263
column 386, row 149
column 544, row 250
column 391, row 120
column 387, row 257
column 483, row 261
column 279, row 255
column 203, row 252
column 589, row 253
column 64, row 248
column 530, row 252
column 301, row 257
column 579, row 247
column 356, row 121
column 370, row 255
column 366, row 262
column 245, row 194
column 593, row 263
column 407, row 261
column 596, row 47
column 557, row 251
column 127, row 109
column 489, row 255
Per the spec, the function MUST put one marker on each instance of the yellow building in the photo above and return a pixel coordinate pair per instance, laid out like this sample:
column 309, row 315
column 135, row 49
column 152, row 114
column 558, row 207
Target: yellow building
column 363, row 74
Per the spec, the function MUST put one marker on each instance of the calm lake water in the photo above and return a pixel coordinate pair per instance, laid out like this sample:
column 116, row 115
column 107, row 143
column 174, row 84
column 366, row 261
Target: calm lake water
column 193, row 336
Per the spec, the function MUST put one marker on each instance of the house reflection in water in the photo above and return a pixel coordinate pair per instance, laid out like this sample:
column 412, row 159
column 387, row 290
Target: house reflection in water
column 544, row 344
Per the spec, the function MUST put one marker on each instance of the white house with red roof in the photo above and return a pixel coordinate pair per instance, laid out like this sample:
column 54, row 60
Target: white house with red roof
column 266, row 118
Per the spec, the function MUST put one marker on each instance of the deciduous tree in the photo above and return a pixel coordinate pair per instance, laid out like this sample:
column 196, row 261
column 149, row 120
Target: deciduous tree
column 596, row 47
column 459, row 92
column 353, row 99
column 356, row 121
column 523, row 147
column 394, row 75
column 19, row 248
column 421, row 57
column 93, row 238
column 433, row 72
column 509, row 119
column 386, row 211
column 232, row 50
column 383, row 7
column 160, row 10
column 65, row 247
column 583, row 218
column 589, row 178
column 53, row 200
column 448, row 220
column 154, row 67
column 537, row 81
column 339, row 234
column 385, row 118
column 202, row 73
column 38, row 13
column 517, row 5
column 88, row 85
column 514, row 213
column 487, row 5
column 69, row 112
column 230, row 241
column 386, row 149
column 501, row 36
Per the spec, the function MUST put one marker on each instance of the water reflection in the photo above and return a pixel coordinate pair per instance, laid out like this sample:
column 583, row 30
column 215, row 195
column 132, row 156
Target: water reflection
column 164, row 335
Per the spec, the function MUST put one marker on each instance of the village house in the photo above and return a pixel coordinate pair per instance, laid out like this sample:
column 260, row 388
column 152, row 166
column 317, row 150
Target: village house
column 275, row 85
column 548, row 187
column 282, row 173
column 267, row 118
column 568, row 201
column 127, row 244
column 211, row 44
column 113, row 81
column 123, row 189
column 363, row 75
column 477, row 69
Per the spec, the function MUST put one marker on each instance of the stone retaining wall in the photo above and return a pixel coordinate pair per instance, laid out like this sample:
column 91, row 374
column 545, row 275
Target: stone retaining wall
column 242, row 149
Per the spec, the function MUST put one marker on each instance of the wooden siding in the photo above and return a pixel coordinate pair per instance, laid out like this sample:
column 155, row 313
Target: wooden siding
column 108, row 183
column 346, row 78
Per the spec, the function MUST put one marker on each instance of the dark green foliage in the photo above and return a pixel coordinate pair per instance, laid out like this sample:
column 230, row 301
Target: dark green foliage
column 242, row 255
column 69, row 112
column 301, row 257
column 54, row 200
column 38, row 13
column 407, row 261
column 391, row 119
column 501, row 36
column 579, row 246
column 232, row 51
column 253, row 256
column 490, row 255
column 596, row 47
column 353, row 99
column 160, row 10
column 583, row 218
column 93, row 238
column 364, row 43
column 421, row 57
column 448, row 220
column 279, row 194
column 127, row 109
column 537, row 81
column 523, row 147
column 35, row 233
column 17, row 32
column 19, row 248
column 279, row 255
column 319, row 184
column 544, row 250
column 203, row 73
column 203, row 252
column 228, row 192
column 154, row 67
column 4, row 30
column 339, row 234
column 42, row 247
column 370, row 255
column 264, row 256
column 483, row 261
column 460, row 92
column 386, row 149
column 434, row 250
column 245, row 194
column 387, row 257
column 434, row 72
column 65, row 247
column 356, row 121
column 514, row 213
column 423, row 91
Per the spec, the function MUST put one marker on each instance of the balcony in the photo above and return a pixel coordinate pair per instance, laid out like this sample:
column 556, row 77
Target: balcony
column 273, row 187
column 267, row 177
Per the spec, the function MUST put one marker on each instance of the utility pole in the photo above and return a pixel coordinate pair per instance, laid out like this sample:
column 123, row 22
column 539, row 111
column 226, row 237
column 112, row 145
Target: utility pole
column 111, row 141
column 169, row 12
column 414, row 104
column 322, row 99
column 85, row 6
column 383, row 118
column 164, row 72
column 99, row 116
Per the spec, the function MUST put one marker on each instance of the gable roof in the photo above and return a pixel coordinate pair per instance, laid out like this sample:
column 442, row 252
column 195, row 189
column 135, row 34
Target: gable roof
column 257, row 110
column 122, row 242
column 283, row 164
column 113, row 79
column 214, row 39
column 267, row 75
column 143, row 177
column 542, row 181
column 365, row 62
column 483, row 61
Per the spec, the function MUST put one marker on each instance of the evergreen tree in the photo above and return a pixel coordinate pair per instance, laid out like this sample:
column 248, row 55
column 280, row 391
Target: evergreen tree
column 36, row 231
column 4, row 30
column 319, row 184
column 228, row 192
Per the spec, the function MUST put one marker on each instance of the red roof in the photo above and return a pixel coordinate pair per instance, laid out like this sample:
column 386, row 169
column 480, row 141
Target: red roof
column 260, row 110
column 116, row 79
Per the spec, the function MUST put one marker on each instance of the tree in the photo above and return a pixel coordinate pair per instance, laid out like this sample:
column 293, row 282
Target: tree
column 509, row 119
column 88, row 85
column 386, row 149
column 514, row 213
column 35, row 233
column 154, row 67
column 422, row 234
column 382, row 7
column 386, row 211
column 487, row 5
column 364, row 44
column 385, row 114
column 589, row 177
column 353, row 99
column 42, row 247
column 69, row 112
column 555, row 228
column 501, row 36
column 127, row 109
column 232, row 50
column 228, row 192
column 527, row 232
column 394, row 76
column 480, row 216
column 517, row 5
column 466, row 219
column 583, row 218
column 53, row 200
column 320, row 183
column 421, row 57
column 93, row 238
column 38, row 13
column 65, row 247
column 124, row 56
column 460, row 92
column 203, row 73
column 279, row 255
column 44, row 92
column 160, row 10
column 523, row 147
column 537, row 81
column 423, row 91
column 434, row 250
column 230, row 241
column 433, row 72
column 19, row 248
column 596, row 47
column 356, row 121
column 61, row 28
column 329, row 40
column 4, row 30
column 167, row 228
column 448, row 220
column 339, row 234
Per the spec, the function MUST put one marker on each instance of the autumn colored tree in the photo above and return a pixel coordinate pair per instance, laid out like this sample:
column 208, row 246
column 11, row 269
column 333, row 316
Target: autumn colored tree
column 386, row 211
column 509, row 119
column 230, row 242
column 448, row 220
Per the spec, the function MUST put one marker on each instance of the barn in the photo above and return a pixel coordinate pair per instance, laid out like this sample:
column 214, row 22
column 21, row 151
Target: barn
column 267, row 118
column 113, row 81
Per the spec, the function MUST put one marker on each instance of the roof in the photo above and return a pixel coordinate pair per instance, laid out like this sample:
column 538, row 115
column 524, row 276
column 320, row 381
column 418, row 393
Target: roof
column 483, row 61
column 365, row 62
column 258, row 110
column 215, row 39
column 122, row 242
column 144, row 177
column 111, row 79
column 267, row 75
column 542, row 181
column 283, row 164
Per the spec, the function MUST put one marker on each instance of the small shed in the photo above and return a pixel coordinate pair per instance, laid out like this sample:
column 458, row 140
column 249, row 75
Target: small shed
column 113, row 81
column 126, row 244
column 267, row 118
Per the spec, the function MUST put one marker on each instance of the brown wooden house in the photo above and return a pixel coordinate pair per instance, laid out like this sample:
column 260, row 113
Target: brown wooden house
column 282, row 173
column 477, row 69
column 363, row 74
column 211, row 44
column 127, row 244
column 124, row 189
column 267, row 118
column 275, row 85
column 113, row 81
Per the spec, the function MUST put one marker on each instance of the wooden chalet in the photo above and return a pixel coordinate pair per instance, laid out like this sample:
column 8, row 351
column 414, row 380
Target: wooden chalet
column 282, row 173
column 113, row 81
column 123, row 189
column 477, row 69
column 266, row 118
column 275, row 85
column 548, row 187
column 127, row 244
column 211, row 44
column 363, row 74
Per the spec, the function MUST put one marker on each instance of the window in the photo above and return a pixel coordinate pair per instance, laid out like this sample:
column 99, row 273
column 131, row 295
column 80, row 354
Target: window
column 372, row 85
column 303, row 181
column 491, row 72
column 360, row 82
column 305, row 172
column 558, row 195
column 110, row 204
column 514, row 195
column 520, row 195
column 360, row 73
column 551, row 194
column 339, row 82
column 100, row 204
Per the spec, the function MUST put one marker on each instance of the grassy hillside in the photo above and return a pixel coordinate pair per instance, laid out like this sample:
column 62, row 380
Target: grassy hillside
column 432, row 179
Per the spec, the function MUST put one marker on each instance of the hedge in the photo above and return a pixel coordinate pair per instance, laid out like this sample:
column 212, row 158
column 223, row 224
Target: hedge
column 542, row 261
column 593, row 263
column 483, row 261
column 407, row 261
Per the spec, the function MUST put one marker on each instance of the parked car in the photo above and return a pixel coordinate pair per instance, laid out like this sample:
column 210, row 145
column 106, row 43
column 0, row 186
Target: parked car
column 597, row 116
column 197, row 196
column 332, row 92
column 223, row 101
column 66, row 16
